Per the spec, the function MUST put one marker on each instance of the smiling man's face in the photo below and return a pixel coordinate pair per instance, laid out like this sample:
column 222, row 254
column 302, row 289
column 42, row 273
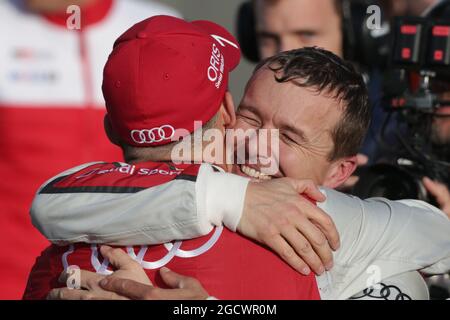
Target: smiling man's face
column 305, row 120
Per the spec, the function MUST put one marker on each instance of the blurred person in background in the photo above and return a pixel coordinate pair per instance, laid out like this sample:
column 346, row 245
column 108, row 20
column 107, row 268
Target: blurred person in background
column 50, row 104
column 283, row 25
column 440, row 137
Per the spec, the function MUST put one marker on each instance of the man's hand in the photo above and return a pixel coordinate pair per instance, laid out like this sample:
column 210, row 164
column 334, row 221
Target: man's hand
column 440, row 192
column 129, row 281
column 182, row 288
column 90, row 289
column 275, row 214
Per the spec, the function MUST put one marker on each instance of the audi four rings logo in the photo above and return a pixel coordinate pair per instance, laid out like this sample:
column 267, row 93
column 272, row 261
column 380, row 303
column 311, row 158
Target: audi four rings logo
column 154, row 135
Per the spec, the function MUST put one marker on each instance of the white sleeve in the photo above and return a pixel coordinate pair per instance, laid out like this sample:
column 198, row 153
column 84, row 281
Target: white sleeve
column 381, row 239
column 220, row 196
column 178, row 209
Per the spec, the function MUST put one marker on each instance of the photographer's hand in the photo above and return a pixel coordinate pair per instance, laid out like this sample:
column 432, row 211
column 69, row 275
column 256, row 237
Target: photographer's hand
column 440, row 192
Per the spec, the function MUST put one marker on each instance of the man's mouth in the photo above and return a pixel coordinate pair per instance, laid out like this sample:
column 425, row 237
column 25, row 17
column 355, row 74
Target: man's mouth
column 253, row 173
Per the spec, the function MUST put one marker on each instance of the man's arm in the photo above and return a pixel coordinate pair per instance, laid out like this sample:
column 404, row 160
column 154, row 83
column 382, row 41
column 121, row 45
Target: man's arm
column 381, row 239
column 111, row 203
column 115, row 204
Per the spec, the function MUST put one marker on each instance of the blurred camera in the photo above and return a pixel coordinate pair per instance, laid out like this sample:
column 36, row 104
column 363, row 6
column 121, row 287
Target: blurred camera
column 419, row 74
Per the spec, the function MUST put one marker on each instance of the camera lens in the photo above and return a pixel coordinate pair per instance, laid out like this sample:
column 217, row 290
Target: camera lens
column 388, row 181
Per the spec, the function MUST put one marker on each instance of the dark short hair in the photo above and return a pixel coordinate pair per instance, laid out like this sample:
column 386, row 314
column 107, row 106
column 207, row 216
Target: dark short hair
column 316, row 68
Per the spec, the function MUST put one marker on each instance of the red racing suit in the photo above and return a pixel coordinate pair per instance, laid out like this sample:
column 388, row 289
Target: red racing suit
column 227, row 264
column 51, row 111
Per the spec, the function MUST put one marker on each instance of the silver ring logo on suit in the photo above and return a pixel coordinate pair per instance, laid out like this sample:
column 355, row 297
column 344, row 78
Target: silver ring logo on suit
column 158, row 134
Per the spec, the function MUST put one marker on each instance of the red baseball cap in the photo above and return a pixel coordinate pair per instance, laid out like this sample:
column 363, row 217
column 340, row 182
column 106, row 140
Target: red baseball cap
column 163, row 74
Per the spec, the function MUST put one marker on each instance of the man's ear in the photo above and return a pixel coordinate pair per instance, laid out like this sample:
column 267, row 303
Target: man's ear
column 228, row 111
column 109, row 131
column 340, row 171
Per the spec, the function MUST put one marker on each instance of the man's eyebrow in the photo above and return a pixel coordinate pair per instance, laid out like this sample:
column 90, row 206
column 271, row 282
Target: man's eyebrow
column 250, row 109
column 267, row 34
column 303, row 32
column 297, row 131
